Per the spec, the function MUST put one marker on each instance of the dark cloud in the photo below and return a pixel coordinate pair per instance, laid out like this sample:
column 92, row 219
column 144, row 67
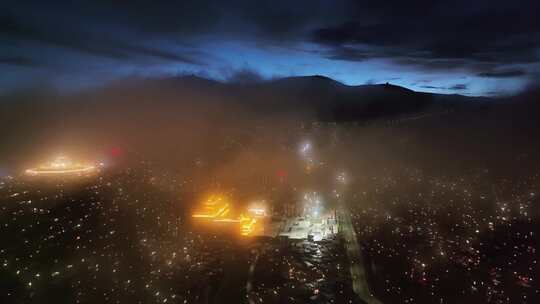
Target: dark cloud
column 349, row 54
column 438, row 34
column 175, row 20
column 432, row 87
column 371, row 81
column 92, row 43
column 245, row 76
column 447, row 64
column 459, row 87
column 490, row 32
column 503, row 74
column 484, row 38
column 456, row 87
column 19, row 61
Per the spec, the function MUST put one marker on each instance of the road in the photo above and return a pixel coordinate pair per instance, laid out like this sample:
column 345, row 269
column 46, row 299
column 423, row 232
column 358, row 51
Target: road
column 354, row 253
column 251, row 273
column 232, row 286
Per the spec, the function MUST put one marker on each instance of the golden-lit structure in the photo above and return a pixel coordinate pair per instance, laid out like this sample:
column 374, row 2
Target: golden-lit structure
column 61, row 166
column 247, row 225
column 216, row 209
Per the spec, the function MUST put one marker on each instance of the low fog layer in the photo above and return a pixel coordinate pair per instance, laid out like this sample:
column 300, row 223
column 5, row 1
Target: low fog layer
column 189, row 122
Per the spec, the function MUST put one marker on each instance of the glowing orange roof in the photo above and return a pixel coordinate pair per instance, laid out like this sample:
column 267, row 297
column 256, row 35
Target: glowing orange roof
column 216, row 210
column 214, row 207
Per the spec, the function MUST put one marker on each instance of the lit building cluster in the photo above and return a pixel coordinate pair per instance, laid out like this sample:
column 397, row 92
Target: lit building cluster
column 294, row 272
column 111, row 238
column 216, row 209
column 445, row 240
column 131, row 235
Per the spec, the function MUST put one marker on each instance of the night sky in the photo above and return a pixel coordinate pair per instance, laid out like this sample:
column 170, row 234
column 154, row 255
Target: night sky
column 480, row 47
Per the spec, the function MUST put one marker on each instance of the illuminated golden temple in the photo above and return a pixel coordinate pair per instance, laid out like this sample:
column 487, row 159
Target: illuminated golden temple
column 61, row 166
column 216, row 209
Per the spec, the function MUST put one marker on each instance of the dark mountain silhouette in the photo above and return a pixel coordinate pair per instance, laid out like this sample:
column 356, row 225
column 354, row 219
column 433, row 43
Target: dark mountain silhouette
column 336, row 102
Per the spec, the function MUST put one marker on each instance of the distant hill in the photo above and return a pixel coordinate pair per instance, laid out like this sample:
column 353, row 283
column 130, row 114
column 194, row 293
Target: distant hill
column 336, row 102
column 328, row 99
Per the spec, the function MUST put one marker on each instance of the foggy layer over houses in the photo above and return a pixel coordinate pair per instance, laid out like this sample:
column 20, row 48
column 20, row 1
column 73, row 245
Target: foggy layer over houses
column 179, row 121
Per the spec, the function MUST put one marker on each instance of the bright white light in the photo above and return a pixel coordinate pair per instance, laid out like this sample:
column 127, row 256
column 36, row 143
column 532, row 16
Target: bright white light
column 258, row 208
column 305, row 148
column 313, row 204
column 342, row 178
